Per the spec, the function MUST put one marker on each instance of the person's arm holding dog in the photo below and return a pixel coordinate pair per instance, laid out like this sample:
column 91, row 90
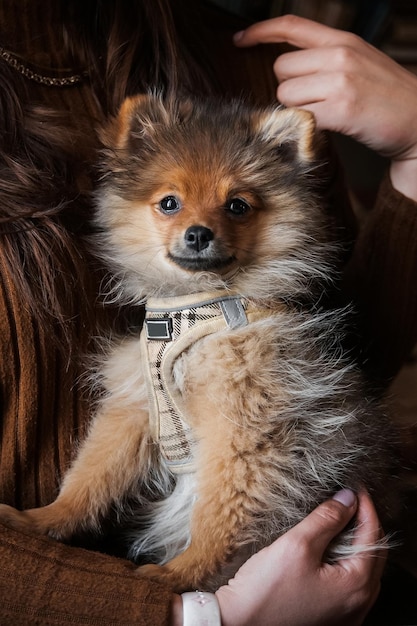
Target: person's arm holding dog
column 350, row 86
column 289, row 582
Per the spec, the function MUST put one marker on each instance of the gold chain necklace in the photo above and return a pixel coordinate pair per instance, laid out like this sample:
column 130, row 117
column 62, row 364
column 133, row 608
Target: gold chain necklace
column 51, row 81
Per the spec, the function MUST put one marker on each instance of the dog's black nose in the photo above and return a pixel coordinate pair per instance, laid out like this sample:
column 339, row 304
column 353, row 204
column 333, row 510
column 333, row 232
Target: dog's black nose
column 198, row 237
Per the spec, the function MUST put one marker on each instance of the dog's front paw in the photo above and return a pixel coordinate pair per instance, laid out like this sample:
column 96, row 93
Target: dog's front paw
column 163, row 575
column 19, row 520
column 39, row 521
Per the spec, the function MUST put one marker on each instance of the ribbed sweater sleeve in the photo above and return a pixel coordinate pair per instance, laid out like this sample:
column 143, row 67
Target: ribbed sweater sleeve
column 48, row 583
column 382, row 277
column 42, row 414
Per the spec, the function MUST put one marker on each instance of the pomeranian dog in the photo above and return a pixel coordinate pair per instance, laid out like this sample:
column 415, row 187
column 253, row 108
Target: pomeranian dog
column 234, row 412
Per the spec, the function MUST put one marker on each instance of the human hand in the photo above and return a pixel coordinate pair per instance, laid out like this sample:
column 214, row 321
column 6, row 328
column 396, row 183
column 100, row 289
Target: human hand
column 350, row 86
column 287, row 583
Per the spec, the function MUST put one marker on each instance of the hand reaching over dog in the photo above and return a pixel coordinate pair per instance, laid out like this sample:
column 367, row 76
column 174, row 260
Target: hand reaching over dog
column 288, row 583
column 350, row 86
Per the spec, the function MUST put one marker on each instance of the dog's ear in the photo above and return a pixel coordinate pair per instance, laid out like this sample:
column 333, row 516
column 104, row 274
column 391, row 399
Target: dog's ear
column 137, row 115
column 291, row 130
column 140, row 116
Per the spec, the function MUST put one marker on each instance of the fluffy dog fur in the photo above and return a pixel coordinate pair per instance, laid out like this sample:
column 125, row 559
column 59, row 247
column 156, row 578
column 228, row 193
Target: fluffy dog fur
column 280, row 416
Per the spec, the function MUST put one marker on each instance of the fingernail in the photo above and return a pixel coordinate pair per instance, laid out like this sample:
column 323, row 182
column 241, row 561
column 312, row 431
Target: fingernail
column 346, row 496
column 238, row 36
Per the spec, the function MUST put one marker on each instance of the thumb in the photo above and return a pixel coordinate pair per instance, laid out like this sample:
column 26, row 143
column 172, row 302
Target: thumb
column 326, row 521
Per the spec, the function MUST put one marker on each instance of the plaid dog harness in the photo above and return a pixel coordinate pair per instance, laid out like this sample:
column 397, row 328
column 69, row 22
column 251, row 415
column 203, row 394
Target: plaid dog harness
column 171, row 326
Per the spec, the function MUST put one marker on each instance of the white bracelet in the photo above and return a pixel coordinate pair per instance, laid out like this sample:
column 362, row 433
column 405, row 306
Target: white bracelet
column 200, row 609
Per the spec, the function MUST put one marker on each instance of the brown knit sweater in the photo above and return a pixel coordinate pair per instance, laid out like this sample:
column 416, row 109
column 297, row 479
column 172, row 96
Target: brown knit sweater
column 44, row 412
column 382, row 277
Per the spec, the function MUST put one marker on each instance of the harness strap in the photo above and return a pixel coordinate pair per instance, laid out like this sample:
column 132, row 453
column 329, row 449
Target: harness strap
column 172, row 325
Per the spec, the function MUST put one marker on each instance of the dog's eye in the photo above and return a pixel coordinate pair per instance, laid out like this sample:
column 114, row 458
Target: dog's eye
column 170, row 204
column 238, row 206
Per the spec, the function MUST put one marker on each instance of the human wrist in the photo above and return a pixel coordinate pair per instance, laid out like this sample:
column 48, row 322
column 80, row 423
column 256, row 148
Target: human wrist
column 200, row 608
column 195, row 609
column 403, row 174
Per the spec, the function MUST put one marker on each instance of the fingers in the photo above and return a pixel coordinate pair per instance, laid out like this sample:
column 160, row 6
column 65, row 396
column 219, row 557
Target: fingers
column 348, row 85
column 363, row 572
column 300, row 63
column 297, row 92
column 289, row 578
column 317, row 530
column 369, row 529
column 320, row 94
column 340, row 58
column 291, row 29
column 368, row 533
column 331, row 78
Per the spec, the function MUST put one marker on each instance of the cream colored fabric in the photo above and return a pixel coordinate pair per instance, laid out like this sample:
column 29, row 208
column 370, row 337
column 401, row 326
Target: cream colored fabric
column 183, row 322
